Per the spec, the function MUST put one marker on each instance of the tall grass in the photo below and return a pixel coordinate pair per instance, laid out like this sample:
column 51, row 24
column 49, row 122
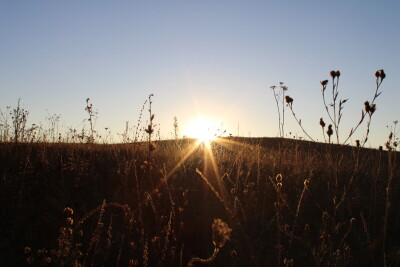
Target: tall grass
column 287, row 202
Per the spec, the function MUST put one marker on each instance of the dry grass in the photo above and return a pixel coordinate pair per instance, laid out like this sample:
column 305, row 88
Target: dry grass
column 80, row 201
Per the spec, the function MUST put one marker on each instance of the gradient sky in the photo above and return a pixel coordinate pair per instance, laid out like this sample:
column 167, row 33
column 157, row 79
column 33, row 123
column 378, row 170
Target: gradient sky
column 213, row 58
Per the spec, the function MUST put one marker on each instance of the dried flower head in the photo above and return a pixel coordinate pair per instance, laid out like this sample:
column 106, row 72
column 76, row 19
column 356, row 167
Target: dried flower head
column 324, row 82
column 367, row 107
column 152, row 146
column 329, row 131
column 377, row 74
column 333, row 74
column 322, row 123
column 68, row 211
column 372, row 108
column 220, row 232
column 383, row 75
column 337, row 73
column 149, row 129
column 70, row 221
column 288, row 99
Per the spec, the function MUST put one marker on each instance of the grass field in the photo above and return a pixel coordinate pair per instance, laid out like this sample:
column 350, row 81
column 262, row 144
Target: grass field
column 287, row 202
column 77, row 199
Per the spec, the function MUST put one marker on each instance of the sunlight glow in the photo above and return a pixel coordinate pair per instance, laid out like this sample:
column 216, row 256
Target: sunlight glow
column 203, row 129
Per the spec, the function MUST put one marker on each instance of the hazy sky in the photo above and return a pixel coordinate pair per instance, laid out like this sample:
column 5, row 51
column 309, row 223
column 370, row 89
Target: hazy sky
column 214, row 58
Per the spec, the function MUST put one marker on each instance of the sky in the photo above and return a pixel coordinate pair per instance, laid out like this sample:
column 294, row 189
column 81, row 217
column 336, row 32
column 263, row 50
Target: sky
column 215, row 59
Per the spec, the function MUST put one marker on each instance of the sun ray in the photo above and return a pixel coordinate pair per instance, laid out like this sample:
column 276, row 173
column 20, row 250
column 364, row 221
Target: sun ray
column 179, row 164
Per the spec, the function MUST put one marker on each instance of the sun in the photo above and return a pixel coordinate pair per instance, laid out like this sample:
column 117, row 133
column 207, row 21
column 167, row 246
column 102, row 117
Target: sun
column 201, row 128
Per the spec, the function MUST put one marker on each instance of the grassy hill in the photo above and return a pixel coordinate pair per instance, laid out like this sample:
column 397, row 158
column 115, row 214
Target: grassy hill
column 288, row 202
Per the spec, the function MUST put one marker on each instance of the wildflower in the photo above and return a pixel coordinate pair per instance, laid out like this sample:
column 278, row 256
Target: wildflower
column 70, row 221
column 383, row 75
column 333, row 74
column 149, row 129
column 68, row 211
column 372, row 108
column 380, row 74
column 324, row 82
column 288, row 99
column 152, row 146
column 329, row 131
column 322, row 123
column 337, row 73
column 367, row 106
column 220, row 233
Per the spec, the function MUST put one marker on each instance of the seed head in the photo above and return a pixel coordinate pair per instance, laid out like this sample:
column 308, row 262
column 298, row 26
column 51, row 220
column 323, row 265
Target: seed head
column 288, row 99
column 337, row 73
column 372, row 109
column 383, row 75
column 322, row 123
column 324, row 82
column 333, row 74
column 329, row 131
column 367, row 107
column 220, row 232
column 70, row 221
column 68, row 211
column 152, row 146
column 149, row 129
column 377, row 74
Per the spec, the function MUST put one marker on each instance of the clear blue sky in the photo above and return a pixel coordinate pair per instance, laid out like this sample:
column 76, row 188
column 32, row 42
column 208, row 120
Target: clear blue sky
column 216, row 58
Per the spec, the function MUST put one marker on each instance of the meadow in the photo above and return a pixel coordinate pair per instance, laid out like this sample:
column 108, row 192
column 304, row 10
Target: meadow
column 74, row 199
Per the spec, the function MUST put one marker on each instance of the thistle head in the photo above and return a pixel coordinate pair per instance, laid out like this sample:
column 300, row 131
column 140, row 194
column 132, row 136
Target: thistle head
column 220, row 233
column 288, row 99
column 324, row 82
column 329, row 131
column 322, row 123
